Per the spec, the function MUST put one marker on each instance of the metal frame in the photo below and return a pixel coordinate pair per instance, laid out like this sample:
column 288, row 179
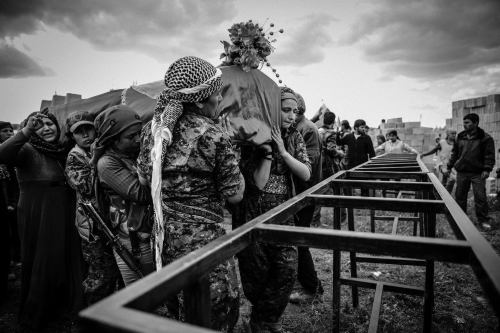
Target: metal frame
column 129, row 310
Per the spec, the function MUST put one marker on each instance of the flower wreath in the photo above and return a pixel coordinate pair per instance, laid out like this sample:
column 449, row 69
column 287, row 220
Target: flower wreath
column 250, row 45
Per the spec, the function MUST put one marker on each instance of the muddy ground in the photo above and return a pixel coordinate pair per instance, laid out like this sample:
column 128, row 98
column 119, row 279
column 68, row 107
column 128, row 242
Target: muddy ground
column 460, row 305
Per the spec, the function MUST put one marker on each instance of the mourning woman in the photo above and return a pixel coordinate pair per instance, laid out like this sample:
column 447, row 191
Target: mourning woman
column 268, row 271
column 120, row 195
column 50, row 247
column 196, row 172
column 100, row 278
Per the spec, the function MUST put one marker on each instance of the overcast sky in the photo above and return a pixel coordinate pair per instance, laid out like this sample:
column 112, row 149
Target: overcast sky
column 364, row 59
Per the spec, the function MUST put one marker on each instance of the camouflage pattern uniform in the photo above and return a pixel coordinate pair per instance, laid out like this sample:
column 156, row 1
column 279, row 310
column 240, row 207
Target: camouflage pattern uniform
column 199, row 172
column 102, row 273
column 268, row 271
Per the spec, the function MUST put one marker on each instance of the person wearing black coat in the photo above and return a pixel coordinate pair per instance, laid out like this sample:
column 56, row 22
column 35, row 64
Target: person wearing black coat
column 473, row 156
column 359, row 145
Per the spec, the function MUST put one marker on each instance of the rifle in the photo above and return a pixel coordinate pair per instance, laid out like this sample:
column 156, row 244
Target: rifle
column 88, row 208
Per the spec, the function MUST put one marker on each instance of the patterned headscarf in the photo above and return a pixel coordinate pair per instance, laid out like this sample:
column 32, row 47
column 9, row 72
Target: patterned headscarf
column 188, row 80
column 5, row 124
column 109, row 124
column 288, row 93
column 301, row 104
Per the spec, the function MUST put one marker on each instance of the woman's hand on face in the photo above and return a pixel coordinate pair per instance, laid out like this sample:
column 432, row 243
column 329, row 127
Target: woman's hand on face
column 33, row 124
column 276, row 136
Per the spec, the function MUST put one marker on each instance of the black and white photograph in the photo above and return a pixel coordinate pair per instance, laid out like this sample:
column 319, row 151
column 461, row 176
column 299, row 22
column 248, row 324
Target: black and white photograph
column 249, row 166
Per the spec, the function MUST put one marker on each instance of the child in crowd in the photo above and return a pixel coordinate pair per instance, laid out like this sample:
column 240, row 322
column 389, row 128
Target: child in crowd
column 102, row 273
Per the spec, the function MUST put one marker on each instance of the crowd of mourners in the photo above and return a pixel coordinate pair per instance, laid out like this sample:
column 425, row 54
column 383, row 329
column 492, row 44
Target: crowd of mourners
column 162, row 188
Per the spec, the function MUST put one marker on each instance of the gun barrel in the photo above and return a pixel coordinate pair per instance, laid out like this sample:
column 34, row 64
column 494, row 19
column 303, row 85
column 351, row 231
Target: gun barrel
column 118, row 247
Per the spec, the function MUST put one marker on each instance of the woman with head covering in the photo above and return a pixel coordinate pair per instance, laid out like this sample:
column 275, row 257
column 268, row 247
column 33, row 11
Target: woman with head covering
column 120, row 195
column 51, row 256
column 193, row 172
column 6, row 131
column 8, row 202
column 100, row 280
column 306, row 273
column 268, row 271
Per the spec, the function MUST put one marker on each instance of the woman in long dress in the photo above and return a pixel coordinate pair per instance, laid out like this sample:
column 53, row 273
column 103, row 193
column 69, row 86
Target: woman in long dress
column 268, row 271
column 50, row 246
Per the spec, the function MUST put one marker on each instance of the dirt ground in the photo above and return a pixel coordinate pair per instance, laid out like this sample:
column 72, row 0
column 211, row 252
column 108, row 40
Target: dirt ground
column 460, row 305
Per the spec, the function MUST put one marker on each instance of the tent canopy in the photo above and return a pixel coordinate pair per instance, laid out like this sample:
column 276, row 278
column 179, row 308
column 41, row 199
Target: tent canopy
column 251, row 102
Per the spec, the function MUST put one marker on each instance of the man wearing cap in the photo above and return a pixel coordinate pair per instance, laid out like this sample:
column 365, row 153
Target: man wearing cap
column 473, row 157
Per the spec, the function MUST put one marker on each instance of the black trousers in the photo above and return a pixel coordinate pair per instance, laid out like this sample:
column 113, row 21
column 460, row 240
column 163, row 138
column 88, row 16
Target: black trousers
column 306, row 273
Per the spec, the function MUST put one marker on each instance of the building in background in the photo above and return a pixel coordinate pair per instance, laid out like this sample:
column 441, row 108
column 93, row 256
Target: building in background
column 488, row 110
column 413, row 133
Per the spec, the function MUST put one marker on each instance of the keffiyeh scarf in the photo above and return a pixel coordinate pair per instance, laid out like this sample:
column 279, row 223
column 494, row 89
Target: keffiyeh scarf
column 188, row 80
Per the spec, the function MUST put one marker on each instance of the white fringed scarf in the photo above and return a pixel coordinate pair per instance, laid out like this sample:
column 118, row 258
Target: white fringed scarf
column 188, row 80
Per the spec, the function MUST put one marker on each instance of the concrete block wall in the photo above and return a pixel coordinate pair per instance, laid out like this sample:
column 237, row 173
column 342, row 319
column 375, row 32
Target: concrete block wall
column 72, row 97
column 58, row 100
column 421, row 138
column 45, row 104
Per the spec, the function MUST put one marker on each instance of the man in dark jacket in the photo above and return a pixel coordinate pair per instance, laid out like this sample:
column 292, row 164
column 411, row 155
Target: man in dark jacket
column 306, row 274
column 359, row 145
column 473, row 156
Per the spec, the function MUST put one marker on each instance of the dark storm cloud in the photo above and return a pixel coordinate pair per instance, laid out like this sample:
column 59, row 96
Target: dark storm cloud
column 181, row 26
column 305, row 44
column 430, row 39
column 16, row 64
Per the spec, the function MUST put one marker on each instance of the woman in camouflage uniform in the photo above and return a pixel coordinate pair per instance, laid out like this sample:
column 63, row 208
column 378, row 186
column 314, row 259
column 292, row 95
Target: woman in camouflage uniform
column 268, row 271
column 100, row 280
column 198, row 172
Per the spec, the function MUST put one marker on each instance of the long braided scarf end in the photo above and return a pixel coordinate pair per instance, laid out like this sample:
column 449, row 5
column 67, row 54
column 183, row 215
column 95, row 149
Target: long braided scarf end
column 189, row 79
column 162, row 136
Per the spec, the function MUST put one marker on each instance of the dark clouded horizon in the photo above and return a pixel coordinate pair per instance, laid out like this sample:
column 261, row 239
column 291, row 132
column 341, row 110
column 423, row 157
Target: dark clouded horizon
column 159, row 28
column 430, row 39
column 16, row 64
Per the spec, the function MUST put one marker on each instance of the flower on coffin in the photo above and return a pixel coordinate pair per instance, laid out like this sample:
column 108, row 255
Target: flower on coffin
column 249, row 45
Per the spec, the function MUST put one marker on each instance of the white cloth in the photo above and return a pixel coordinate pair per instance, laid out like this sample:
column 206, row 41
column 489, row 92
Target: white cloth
column 445, row 152
column 397, row 147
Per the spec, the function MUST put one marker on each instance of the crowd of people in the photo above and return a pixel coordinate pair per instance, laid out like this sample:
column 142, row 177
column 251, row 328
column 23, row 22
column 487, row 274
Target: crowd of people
column 162, row 188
